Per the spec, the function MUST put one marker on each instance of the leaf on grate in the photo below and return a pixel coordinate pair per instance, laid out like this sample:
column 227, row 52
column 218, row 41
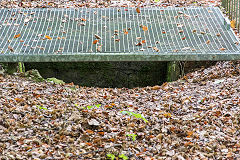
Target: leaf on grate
column 95, row 41
column 10, row 48
column 183, row 38
column 143, row 41
column 97, row 36
column 99, row 48
column 18, row 35
column 48, row 37
column 233, row 24
column 218, row 34
column 138, row 10
column 83, row 19
column 156, row 49
column 138, row 44
column 145, row 28
column 208, row 42
column 222, row 49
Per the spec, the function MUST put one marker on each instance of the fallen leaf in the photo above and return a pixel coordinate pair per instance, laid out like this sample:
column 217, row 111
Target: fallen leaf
column 48, row 37
column 89, row 131
column 101, row 133
column 97, row 36
column 90, row 144
column 125, row 32
column 189, row 134
column 156, row 87
column 145, row 28
column 180, row 31
column 138, row 10
column 222, row 49
column 218, row 34
column 208, row 42
column 19, row 100
column 95, row 41
column 143, row 41
column 194, row 30
column 18, row 35
column 83, row 19
column 10, row 48
column 117, row 40
column 99, row 48
column 183, row 38
column 156, row 49
column 167, row 115
column 233, row 24
column 138, row 44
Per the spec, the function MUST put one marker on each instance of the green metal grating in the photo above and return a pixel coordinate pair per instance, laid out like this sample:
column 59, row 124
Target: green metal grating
column 184, row 34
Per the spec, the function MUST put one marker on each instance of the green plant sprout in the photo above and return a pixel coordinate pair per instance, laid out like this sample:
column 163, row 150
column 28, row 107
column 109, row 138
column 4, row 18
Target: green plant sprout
column 40, row 107
column 111, row 156
column 123, row 156
column 137, row 115
column 89, row 107
column 133, row 136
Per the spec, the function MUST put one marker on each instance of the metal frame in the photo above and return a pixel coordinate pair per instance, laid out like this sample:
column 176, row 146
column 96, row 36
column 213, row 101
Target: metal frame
column 78, row 41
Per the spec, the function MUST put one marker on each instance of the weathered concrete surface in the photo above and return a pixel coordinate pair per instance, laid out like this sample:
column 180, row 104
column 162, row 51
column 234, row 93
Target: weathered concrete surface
column 105, row 74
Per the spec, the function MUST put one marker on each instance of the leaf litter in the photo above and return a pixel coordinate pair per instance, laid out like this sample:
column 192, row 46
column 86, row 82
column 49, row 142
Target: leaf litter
column 171, row 120
column 196, row 117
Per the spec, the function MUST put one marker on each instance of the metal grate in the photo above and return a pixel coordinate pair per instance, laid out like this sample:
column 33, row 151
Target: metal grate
column 54, row 35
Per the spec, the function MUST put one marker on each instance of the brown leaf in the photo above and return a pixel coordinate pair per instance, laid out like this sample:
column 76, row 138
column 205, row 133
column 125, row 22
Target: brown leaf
column 145, row 28
column 99, row 48
column 233, row 24
column 180, row 31
column 138, row 10
column 48, row 37
column 208, row 42
column 18, row 35
column 156, row 87
column 83, row 19
column 222, row 49
column 95, row 41
column 10, row 48
column 89, row 131
column 218, row 34
column 156, row 49
column 19, row 100
column 138, row 44
column 97, row 36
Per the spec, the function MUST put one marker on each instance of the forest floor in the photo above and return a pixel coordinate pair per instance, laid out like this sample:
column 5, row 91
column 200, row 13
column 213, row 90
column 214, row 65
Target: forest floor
column 195, row 117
